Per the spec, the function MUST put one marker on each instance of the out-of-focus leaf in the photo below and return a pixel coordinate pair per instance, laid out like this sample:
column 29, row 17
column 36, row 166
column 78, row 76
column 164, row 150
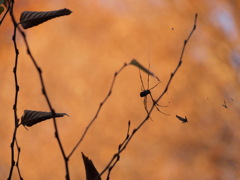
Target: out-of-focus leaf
column 29, row 19
column 184, row 120
column 1, row 1
column 30, row 118
column 137, row 64
column 1, row 9
column 91, row 171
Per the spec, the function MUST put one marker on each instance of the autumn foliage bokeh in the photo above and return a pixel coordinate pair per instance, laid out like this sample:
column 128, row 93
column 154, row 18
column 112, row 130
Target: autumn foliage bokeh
column 79, row 55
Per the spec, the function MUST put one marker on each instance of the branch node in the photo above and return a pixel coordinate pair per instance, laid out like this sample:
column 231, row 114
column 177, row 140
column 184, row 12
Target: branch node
column 17, row 88
column 43, row 91
column 56, row 134
column 39, row 70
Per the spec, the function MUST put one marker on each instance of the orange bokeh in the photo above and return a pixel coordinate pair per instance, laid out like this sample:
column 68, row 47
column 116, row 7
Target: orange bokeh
column 79, row 55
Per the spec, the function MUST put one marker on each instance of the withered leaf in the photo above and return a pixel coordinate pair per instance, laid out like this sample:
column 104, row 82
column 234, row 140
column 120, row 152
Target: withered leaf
column 30, row 117
column 137, row 64
column 184, row 120
column 29, row 19
column 91, row 171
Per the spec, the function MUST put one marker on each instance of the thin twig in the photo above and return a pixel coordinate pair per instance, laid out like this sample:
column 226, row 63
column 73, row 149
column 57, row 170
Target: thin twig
column 18, row 157
column 45, row 95
column 180, row 59
column 98, row 110
column 117, row 155
column 16, row 120
column 110, row 167
column 44, row 92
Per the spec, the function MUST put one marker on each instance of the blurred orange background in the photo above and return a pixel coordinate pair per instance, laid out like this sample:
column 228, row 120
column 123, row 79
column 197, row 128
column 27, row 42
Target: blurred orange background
column 79, row 55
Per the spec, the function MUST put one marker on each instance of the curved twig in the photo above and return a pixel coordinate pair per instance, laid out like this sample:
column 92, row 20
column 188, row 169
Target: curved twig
column 98, row 110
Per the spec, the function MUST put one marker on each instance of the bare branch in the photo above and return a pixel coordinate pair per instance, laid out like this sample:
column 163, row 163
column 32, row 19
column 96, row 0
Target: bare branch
column 16, row 120
column 44, row 92
column 18, row 157
column 99, row 109
column 116, row 156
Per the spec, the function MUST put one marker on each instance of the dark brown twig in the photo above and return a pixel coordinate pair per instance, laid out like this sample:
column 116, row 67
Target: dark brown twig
column 43, row 92
column 117, row 155
column 16, row 120
column 99, row 109
column 18, row 157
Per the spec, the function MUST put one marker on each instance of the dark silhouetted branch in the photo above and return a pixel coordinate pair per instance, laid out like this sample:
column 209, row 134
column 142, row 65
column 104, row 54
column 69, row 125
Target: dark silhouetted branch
column 18, row 157
column 44, row 92
column 99, row 109
column 16, row 120
column 114, row 161
column 16, row 27
column 116, row 156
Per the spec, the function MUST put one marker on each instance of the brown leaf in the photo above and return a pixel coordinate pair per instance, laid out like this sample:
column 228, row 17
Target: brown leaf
column 91, row 171
column 30, row 118
column 184, row 120
column 29, row 19
column 137, row 64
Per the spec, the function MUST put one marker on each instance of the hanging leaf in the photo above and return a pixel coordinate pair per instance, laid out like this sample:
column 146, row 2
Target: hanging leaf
column 29, row 19
column 30, row 118
column 91, row 171
column 184, row 120
column 137, row 64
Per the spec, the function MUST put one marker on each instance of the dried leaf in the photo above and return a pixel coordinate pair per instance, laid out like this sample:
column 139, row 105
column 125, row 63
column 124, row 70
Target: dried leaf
column 30, row 118
column 184, row 120
column 29, row 19
column 137, row 64
column 91, row 171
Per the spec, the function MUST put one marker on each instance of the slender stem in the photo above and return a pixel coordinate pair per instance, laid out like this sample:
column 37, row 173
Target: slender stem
column 16, row 120
column 18, row 157
column 44, row 92
column 99, row 109
column 116, row 156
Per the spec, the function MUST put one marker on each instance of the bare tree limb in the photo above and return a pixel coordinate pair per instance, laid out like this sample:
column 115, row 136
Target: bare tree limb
column 116, row 156
column 44, row 92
